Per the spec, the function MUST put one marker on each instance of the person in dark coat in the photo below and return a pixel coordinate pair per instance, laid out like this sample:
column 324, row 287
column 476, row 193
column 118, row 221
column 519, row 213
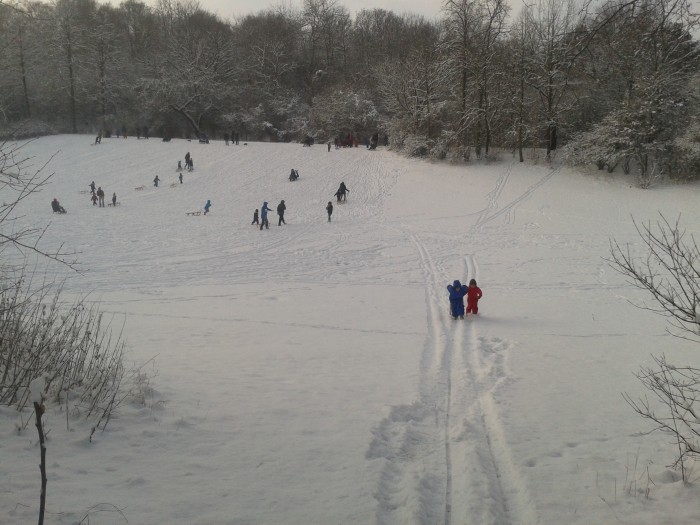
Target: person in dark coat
column 156, row 181
column 92, row 186
column 280, row 211
column 457, row 293
column 263, row 216
column 114, row 199
column 56, row 206
column 93, row 198
column 343, row 190
column 180, row 177
column 255, row 217
column 101, row 196
column 329, row 209
column 329, row 146
column 187, row 159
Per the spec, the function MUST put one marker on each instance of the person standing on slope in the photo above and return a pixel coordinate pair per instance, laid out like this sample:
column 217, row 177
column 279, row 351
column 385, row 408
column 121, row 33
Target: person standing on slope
column 457, row 293
column 114, row 199
column 156, row 181
column 263, row 216
column 255, row 217
column 329, row 209
column 473, row 296
column 101, row 196
column 207, row 206
column 280, row 211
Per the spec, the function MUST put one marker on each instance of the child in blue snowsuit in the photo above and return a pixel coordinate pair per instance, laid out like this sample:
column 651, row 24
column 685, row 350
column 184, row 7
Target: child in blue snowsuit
column 457, row 293
column 207, row 206
column 263, row 216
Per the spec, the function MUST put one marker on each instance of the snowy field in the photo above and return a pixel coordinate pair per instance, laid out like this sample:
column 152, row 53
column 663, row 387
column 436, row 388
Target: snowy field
column 311, row 374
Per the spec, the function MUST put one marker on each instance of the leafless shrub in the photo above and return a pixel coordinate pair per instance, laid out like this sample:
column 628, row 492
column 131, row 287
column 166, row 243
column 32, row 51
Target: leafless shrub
column 670, row 272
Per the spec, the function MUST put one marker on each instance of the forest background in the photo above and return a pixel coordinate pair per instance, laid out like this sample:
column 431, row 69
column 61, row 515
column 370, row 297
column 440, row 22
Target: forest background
column 617, row 81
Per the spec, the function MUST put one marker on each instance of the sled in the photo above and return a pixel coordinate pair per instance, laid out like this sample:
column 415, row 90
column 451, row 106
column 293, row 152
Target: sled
column 174, row 185
column 112, row 204
column 139, row 188
column 193, row 213
column 84, row 192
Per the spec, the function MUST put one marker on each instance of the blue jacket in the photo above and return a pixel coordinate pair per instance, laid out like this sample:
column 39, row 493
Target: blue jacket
column 457, row 293
column 207, row 205
column 264, row 210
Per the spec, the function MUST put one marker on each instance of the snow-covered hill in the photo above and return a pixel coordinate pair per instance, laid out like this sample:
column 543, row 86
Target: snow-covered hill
column 310, row 373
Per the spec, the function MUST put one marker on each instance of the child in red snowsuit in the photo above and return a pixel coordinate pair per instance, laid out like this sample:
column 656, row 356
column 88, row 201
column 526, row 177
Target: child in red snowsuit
column 473, row 296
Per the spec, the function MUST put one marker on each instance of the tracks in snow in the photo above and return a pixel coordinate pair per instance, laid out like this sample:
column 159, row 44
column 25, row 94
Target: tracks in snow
column 447, row 459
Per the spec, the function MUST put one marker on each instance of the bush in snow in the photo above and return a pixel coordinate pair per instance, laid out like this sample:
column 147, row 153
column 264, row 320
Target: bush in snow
column 670, row 272
column 71, row 347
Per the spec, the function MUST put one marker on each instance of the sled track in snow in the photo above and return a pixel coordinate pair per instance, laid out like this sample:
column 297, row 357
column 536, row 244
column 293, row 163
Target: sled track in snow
column 447, row 456
column 492, row 211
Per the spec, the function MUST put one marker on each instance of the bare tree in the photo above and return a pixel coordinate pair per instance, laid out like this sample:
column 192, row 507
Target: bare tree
column 670, row 273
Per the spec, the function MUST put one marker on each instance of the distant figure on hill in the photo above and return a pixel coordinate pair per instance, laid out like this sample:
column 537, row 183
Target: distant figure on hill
column 263, row 216
column 255, row 217
column 207, row 206
column 226, row 138
column 114, row 199
column 342, row 192
column 280, row 211
column 93, row 198
column 156, row 181
column 329, row 146
column 101, row 196
column 56, row 206
column 180, row 177
column 329, row 209
column 179, row 165
column 294, row 175
column 92, row 186
column 187, row 159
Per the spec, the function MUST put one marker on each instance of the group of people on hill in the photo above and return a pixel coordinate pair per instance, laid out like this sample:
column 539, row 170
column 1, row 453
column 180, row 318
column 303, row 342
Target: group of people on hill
column 262, row 219
column 98, row 196
column 457, row 292
column 232, row 137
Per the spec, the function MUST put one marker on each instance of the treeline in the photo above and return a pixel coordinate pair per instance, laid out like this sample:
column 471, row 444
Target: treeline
column 615, row 79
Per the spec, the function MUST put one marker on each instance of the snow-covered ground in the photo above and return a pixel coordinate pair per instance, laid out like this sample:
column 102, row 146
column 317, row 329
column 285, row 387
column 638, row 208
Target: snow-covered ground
column 311, row 374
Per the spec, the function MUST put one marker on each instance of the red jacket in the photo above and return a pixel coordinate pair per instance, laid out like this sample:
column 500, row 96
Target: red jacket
column 473, row 295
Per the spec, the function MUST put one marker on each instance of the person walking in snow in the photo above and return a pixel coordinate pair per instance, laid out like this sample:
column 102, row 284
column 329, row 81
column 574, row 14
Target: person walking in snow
column 156, row 181
column 263, row 216
column 114, row 199
column 93, row 198
column 207, row 206
column 101, row 196
column 92, row 186
column 255, row 217
column 329, row 209
column 280, row 211
column 329, row 146
column 187, row 159
column 473, row 296
column 180, row 177
column 457, row 293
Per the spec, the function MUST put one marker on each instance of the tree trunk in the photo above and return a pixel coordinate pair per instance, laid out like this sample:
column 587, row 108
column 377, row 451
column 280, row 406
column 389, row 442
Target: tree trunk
column 191, row 120
column 25, row 91
column 38, row 412
column 69, row 57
